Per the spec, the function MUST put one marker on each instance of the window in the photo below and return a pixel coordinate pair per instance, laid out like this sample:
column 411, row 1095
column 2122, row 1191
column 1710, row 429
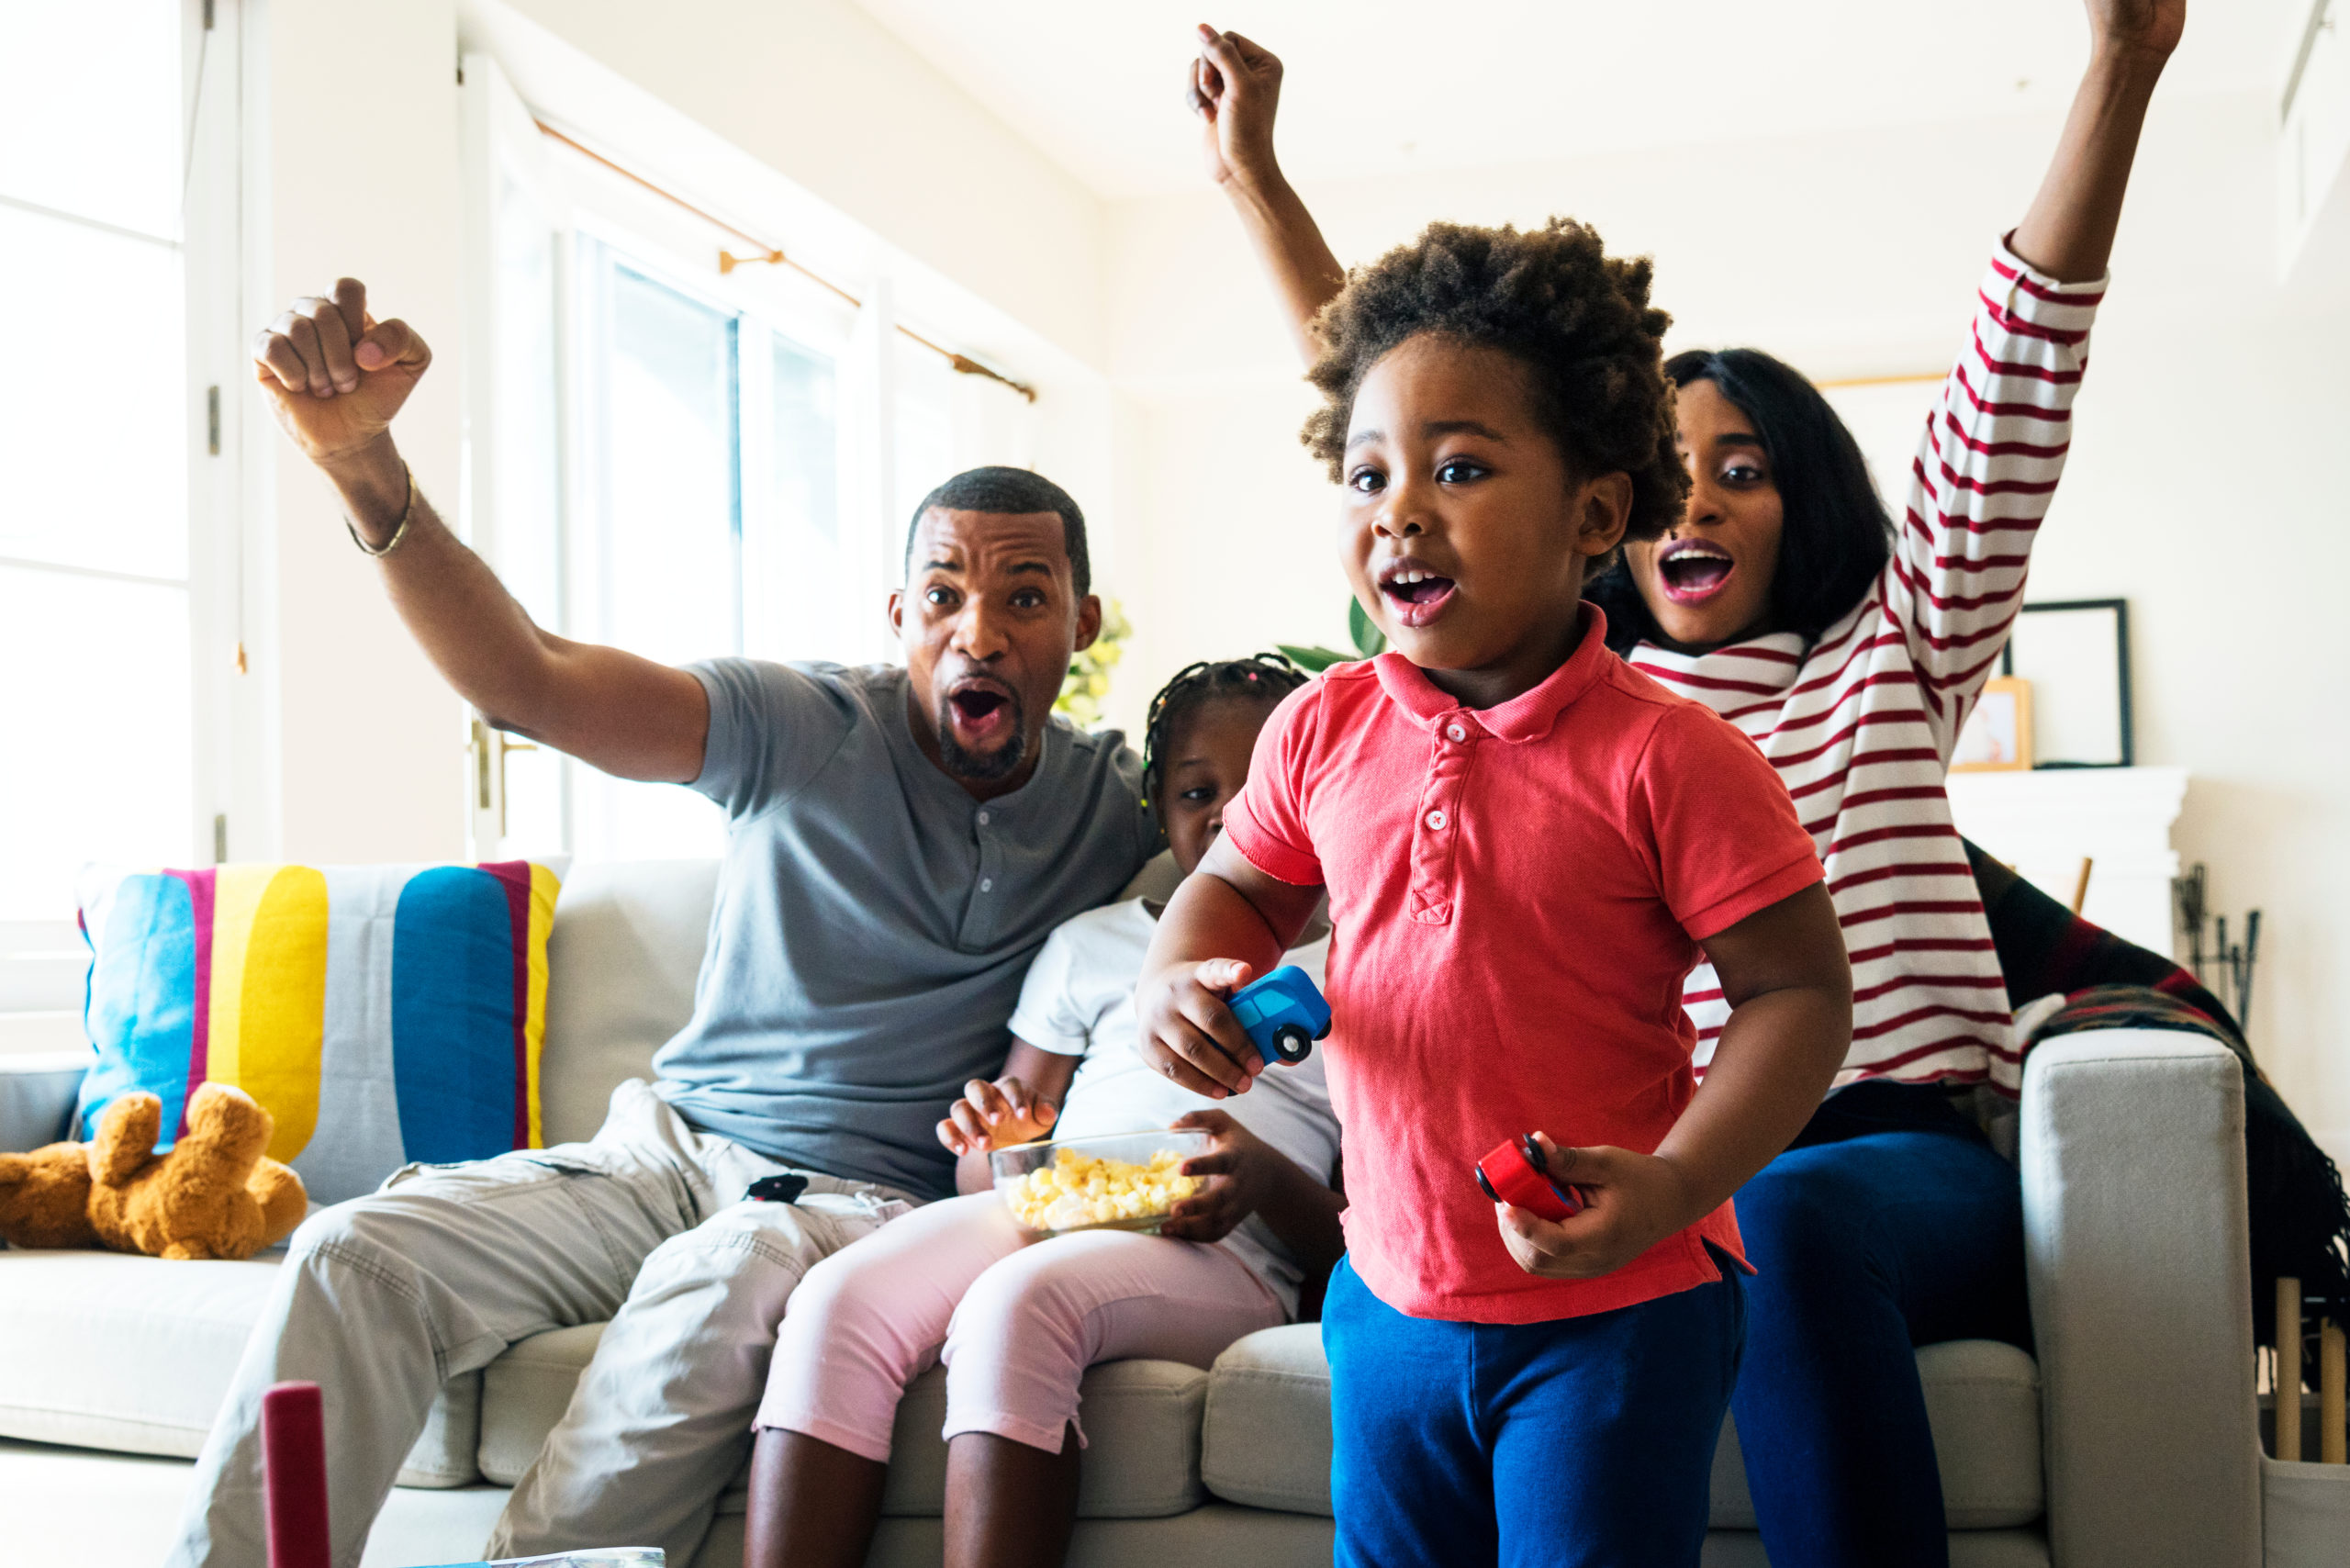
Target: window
column 733, row 453
column 101, row 186
column 710, row 520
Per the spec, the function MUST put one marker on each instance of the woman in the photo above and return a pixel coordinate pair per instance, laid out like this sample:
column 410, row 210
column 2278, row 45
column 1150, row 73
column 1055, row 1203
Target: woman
column 1850, row 648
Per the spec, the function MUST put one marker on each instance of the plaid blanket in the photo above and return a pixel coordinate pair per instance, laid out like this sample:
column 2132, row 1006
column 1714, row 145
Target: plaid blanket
column 2300, row 1218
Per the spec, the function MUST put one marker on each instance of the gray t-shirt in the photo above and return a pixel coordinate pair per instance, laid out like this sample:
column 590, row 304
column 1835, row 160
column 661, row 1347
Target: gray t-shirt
column 874, row 921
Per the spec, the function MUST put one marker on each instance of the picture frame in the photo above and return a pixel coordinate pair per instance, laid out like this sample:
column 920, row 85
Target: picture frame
column 1999, row 734
column 2076, row 654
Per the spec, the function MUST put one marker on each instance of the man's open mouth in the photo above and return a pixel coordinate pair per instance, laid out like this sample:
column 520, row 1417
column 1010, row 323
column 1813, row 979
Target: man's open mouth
column 1692, row 571
column 980, row 734
column 1415, row 594
column 980, row 710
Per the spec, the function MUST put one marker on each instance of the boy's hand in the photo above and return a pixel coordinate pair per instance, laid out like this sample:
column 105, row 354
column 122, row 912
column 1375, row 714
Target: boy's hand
column 1240, row 1170
column 2147, row 27
column 1631, row 1201
column 1187, row 1031
column 1235, row 88
column 996, row 1116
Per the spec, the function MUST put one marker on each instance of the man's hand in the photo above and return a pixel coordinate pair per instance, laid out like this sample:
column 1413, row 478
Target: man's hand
column 335, row 376
column 1187, row 1031
column 1235, row 88
column 1241, row 1171
column 996, row 1116
column 1631, row 1203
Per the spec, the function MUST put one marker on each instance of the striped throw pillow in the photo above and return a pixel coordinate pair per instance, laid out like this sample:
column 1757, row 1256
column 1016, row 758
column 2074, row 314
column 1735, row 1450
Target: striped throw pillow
column 382, row 1014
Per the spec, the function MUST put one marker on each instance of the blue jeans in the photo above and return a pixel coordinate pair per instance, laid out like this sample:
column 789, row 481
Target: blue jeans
column 1585, row 1441
column 1890, row 1224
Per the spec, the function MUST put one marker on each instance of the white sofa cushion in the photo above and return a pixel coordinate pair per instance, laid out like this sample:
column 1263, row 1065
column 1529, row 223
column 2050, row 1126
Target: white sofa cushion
column 135, row 1354
column 1983, row 1402
column 621, row 961
column 1141, row 1420
column 1267, row 1433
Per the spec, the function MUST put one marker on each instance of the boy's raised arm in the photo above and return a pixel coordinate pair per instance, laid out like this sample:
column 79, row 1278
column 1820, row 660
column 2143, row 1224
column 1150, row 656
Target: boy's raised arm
column 1236, row 87
column 1228, row 924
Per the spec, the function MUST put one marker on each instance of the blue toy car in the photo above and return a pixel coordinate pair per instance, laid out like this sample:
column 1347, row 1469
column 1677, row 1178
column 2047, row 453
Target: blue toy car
column 1284, row 1014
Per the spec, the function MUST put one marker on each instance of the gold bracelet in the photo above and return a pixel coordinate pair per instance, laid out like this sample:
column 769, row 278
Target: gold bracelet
column 408, row 516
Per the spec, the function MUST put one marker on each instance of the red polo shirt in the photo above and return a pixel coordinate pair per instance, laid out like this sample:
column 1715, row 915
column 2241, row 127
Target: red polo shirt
column 1518, row 893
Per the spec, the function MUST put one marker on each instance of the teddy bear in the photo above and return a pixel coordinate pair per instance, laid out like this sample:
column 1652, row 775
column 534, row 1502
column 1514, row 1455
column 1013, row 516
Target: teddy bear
column 215, row 1195
column 45, row 1197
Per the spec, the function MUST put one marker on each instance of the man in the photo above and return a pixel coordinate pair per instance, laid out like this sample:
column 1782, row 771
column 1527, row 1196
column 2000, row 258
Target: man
column 901, row 843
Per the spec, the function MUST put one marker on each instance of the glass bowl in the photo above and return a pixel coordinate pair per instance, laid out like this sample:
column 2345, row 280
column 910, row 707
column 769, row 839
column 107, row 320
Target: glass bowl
column 1119, row 1182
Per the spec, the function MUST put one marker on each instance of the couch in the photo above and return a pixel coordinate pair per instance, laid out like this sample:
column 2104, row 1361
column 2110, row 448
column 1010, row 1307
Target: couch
column 2130, row 1438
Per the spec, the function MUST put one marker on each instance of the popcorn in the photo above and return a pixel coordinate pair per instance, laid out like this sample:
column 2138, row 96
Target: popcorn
column 1079, row 1190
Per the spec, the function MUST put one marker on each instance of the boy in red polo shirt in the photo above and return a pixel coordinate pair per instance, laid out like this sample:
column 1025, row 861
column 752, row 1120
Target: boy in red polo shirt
column 1526, row 845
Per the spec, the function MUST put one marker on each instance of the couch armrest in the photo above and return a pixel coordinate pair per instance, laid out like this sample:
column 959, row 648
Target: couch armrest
column 38, row 1090
column 2132, row 1148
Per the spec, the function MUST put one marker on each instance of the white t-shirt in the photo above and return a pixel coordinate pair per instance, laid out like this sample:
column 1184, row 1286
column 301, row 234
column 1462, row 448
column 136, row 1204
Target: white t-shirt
column 1079, row 1000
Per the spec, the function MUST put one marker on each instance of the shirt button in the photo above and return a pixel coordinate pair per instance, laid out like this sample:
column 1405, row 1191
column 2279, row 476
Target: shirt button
column 983, row 818
column 1436, row 821
column 1452, row 733
column 987, row 884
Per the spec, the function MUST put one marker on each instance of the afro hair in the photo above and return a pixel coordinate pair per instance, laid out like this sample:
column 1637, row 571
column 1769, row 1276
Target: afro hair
column 1551, row 298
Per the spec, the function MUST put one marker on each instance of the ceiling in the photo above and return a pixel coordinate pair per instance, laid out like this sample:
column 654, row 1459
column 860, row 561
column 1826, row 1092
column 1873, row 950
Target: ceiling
column 1381, row 86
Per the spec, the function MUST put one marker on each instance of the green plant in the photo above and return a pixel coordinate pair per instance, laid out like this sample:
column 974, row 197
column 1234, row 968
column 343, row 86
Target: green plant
column 1369, row 642
column 1088, row 681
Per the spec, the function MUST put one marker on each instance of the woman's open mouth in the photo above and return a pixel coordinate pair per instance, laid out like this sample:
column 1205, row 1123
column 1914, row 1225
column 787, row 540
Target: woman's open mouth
column 1415, row 594
column 1692, row 571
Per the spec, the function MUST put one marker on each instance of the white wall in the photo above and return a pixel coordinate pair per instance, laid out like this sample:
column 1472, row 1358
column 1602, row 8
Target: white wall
column 2202, row 485
column 361, row 167
column 821, row 92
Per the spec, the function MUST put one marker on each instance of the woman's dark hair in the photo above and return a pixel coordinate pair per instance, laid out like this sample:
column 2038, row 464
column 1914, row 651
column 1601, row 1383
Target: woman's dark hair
column 1835, row 537
column 1552, row 300
column 1266, row 678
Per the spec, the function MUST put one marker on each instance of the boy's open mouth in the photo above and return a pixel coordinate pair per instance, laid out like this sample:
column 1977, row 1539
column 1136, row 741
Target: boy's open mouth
column 1692, row 571
column 1415, row 594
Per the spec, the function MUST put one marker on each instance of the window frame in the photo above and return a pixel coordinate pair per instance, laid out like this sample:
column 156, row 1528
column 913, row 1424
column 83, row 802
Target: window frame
column 230, row 809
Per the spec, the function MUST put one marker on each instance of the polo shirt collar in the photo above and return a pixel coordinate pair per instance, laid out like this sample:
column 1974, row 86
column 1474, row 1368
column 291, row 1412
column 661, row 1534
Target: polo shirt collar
column 1529, row 715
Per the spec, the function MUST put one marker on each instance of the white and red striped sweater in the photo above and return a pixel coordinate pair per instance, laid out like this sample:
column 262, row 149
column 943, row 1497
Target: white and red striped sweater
column 1861, row 724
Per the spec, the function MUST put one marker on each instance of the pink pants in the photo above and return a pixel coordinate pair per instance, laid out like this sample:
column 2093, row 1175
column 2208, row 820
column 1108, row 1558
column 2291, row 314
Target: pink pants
column 1016, row 1324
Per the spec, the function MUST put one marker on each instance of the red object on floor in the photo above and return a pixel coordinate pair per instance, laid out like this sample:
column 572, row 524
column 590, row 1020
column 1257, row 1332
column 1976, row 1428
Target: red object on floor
column 294, row 1463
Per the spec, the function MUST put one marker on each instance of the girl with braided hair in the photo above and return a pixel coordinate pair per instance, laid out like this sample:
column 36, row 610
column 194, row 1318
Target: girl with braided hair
column 1015, row 1323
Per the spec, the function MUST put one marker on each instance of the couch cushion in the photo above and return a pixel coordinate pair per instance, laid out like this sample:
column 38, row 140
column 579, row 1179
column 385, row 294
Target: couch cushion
column 1983, row 1402
column 1141, row 1422
column 1267, row 1431
column 378, row 1012
column 136, row 1355
column 525, row 1391
column 621, row 962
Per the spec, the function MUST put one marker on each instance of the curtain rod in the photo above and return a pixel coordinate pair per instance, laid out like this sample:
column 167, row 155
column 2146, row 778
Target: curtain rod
column 1883, row 380
column 771, row 255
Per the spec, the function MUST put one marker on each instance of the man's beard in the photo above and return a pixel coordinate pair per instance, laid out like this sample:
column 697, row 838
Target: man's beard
column 984, row 766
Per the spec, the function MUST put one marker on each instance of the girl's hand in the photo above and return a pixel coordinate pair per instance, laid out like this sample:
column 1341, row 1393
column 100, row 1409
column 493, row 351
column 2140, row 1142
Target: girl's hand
column 1240, row 1168
column 1631, row 1201
column 1186, row 1031
column 996, row 1116
column 1235, row 89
